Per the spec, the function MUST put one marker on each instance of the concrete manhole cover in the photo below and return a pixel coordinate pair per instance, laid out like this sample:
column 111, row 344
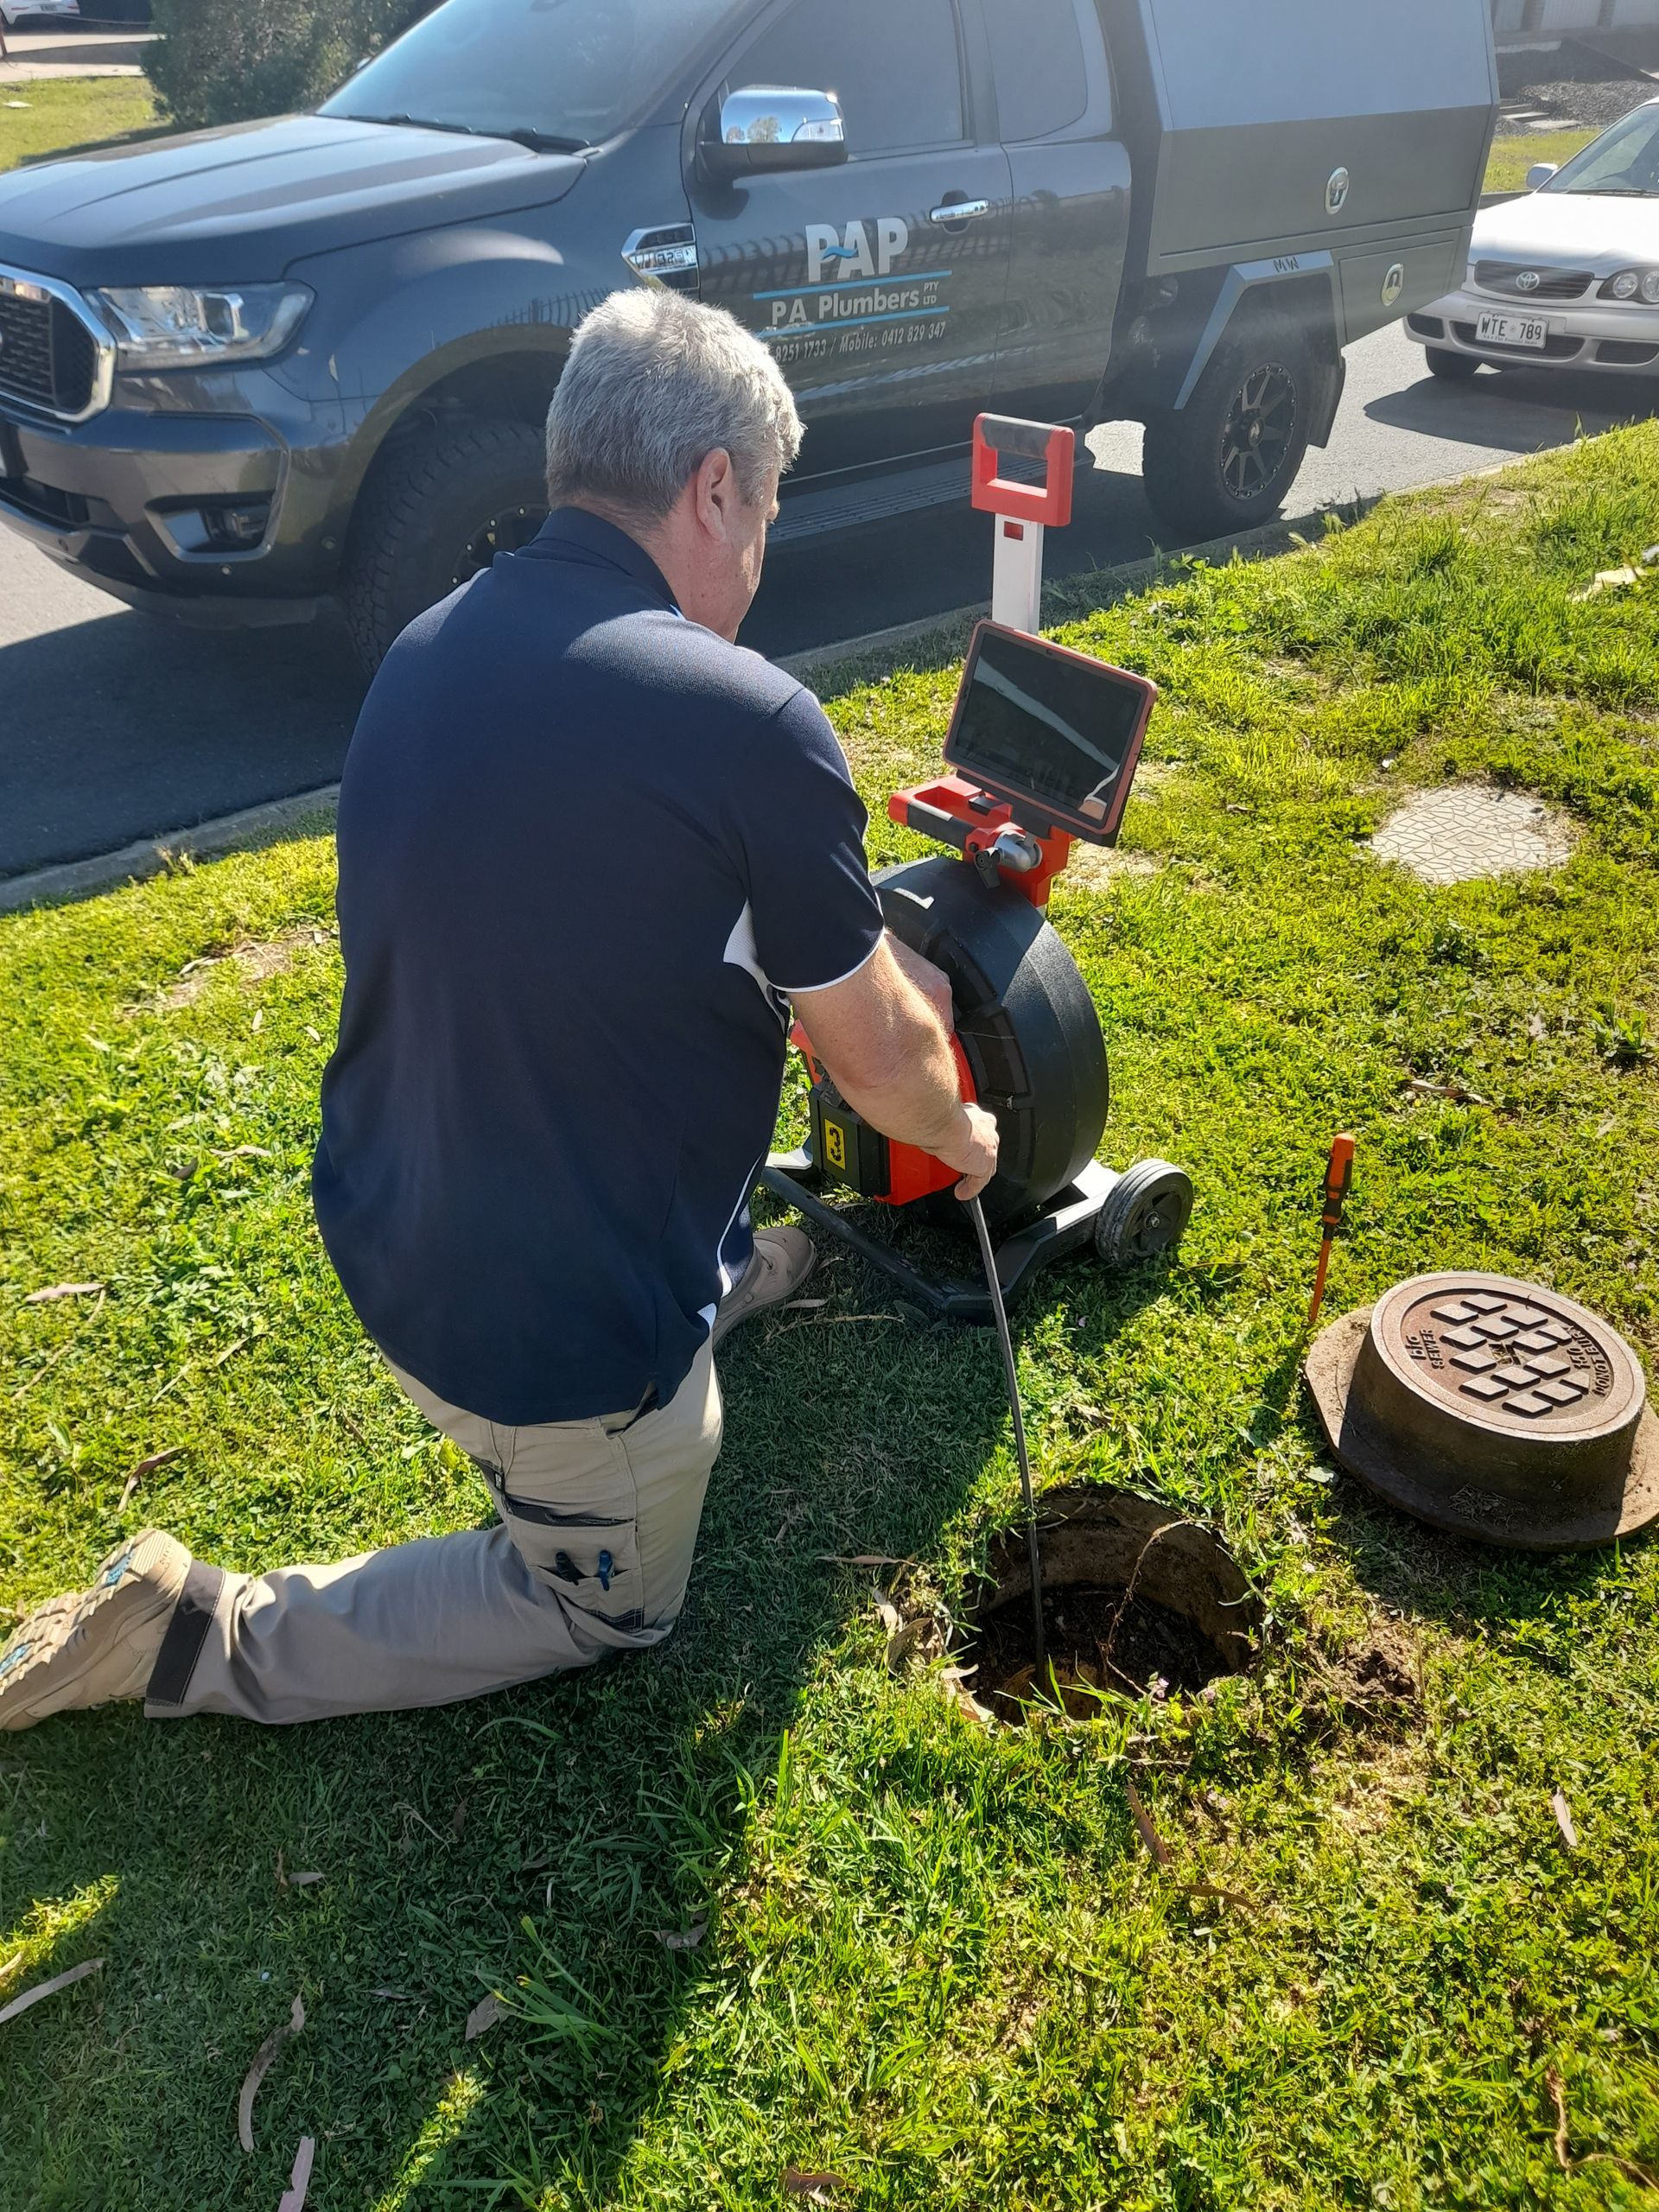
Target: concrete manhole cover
column 1466, row 831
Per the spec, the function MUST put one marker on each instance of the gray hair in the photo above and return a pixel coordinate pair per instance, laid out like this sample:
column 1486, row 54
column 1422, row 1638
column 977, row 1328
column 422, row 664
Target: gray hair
column 654, row 383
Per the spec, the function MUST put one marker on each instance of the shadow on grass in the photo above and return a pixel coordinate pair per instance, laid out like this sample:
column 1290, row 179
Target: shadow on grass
column 542, row 1842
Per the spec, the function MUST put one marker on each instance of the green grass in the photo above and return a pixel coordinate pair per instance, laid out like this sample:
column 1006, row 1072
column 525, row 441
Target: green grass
column 43, row 114
column 1512, row 157
column 938, row 1963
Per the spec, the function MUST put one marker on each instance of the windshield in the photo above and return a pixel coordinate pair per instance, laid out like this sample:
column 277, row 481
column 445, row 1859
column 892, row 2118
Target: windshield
column 570, row 71
column 1622, row 164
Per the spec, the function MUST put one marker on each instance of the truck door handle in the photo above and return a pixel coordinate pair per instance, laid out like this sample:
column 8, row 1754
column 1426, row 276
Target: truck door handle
column 961, row 211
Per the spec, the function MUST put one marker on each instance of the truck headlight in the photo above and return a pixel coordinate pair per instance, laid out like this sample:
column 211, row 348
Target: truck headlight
column 170, row 325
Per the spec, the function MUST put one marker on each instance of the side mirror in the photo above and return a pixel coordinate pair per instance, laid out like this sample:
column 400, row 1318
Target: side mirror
column 768, row 127
column 1540, row 172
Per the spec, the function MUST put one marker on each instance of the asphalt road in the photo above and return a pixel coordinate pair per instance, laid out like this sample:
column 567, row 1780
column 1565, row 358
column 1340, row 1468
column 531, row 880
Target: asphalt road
column 114, row 726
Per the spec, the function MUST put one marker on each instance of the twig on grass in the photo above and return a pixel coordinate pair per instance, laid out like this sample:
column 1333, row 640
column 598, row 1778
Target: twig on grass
column 1564, row 2158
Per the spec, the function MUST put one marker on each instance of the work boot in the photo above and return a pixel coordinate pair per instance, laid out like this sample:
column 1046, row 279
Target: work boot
column 782, row 1261
column 95, row 1646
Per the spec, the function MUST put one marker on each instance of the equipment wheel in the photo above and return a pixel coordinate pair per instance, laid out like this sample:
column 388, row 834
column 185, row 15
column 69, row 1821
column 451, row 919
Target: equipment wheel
column 435, row 510
column 1228, row 461
column 1455, row 368
column 1145, row 1214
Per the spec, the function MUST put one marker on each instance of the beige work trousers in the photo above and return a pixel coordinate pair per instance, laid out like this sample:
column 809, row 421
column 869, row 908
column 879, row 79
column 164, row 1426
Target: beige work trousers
column 596, row 1522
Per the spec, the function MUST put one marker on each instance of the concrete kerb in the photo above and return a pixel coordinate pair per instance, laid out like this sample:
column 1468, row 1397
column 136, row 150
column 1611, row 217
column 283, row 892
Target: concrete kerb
column 928, row 644
column 227, row 833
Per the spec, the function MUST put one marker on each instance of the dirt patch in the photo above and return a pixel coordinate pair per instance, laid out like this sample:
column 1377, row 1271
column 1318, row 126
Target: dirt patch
column 1135, row 1598
column 255, row 964
column 1374, row 1684
column 1096, row 867
column 1100, row 1640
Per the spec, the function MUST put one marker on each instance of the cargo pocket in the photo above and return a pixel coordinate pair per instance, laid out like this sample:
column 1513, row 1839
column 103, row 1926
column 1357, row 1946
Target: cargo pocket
column 567, row 1497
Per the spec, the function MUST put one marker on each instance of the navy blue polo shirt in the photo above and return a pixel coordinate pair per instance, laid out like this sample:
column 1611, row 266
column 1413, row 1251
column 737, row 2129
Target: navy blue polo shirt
column 587, row 851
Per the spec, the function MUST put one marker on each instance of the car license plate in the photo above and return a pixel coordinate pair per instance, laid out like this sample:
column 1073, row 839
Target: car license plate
column 1512, row 330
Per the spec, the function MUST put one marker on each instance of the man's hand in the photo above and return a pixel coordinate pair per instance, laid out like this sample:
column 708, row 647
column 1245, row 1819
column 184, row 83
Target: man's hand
column 932, row 983
column 972, row 1151
column 878, row 1034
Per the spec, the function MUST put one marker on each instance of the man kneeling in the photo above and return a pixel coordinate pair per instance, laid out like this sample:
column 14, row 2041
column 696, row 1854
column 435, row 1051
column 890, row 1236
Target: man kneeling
column 590, row 852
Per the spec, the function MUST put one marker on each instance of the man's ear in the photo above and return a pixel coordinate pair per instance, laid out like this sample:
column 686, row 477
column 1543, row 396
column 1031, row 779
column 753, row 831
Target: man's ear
column 717, row 489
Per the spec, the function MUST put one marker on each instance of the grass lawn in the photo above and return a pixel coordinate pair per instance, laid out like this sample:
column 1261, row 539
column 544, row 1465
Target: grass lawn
column 939, row 1964
column 43, row 113
column 1513, row 158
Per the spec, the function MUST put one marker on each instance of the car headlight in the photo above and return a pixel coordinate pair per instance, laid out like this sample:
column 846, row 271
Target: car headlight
column 170, row 325
column 1628, row 282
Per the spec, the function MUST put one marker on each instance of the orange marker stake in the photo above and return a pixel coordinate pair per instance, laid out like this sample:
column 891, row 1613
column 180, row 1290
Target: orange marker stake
column 1338, row 1181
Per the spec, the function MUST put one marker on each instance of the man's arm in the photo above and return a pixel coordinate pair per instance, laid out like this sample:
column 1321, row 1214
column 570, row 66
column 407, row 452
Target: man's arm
column 888, row 1051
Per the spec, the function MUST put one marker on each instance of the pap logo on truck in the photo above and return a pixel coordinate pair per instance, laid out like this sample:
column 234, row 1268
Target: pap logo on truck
column 1336, row 192
column 1394, row 284
column 846, row 253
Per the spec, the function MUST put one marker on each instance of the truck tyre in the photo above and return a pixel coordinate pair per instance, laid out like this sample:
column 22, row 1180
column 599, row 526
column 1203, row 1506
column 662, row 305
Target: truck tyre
column 437, row 508
column 1455, row 368
column 1228, row 459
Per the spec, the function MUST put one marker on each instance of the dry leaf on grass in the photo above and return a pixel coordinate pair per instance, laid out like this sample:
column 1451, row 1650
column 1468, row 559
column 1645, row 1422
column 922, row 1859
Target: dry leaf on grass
column 683, row 1939
column 11, row 1967
column 919, row 1638
column 1149, row 1835
column 48, row 1988
column 1563, row 1812
column 286, row 1881
column 817, row 2186
column 262, row 2059
column 1234, row 1897
column 483, row 2014
column 300, row 2180
column 61, row 1290
column 806, row 1304
column 953, row 1680
column 148, row 1467
column 861, row 1559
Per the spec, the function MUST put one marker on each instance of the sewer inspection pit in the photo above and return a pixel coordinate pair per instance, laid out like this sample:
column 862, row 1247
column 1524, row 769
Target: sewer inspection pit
column 1134, row 1596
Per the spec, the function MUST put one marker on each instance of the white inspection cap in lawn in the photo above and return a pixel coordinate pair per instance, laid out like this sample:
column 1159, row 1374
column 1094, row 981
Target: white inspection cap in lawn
column 1466, row 831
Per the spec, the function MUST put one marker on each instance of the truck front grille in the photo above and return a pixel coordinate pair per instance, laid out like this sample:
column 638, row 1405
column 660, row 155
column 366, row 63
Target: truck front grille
column 49, row 357
column 25, row 348
column 1504, row 278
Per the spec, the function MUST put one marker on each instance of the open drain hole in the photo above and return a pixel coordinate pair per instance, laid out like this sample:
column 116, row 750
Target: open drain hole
column 1132, row 1595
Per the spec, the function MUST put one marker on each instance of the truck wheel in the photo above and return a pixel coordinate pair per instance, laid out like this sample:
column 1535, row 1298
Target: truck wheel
column 437, row 508
column 1227, row 462
column 1455, row 368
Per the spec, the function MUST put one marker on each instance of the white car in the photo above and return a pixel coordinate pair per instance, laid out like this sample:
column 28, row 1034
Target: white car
column 1567, row 276
column 13, row 12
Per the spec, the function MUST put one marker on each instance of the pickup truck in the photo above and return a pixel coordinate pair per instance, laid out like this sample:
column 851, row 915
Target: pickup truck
column 244, row 371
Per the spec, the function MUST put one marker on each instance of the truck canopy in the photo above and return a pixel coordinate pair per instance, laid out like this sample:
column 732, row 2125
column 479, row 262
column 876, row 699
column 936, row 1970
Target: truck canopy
column 1244, row 114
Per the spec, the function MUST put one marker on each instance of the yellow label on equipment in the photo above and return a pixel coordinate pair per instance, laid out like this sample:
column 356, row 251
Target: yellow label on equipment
column 835, row 1144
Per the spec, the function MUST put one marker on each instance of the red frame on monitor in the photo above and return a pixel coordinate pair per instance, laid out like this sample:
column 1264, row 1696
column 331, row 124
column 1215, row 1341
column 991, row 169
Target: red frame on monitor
column 1102, row 831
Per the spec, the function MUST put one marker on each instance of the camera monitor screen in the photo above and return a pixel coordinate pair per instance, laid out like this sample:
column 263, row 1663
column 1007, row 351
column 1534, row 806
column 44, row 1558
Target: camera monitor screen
column 1038, row 724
